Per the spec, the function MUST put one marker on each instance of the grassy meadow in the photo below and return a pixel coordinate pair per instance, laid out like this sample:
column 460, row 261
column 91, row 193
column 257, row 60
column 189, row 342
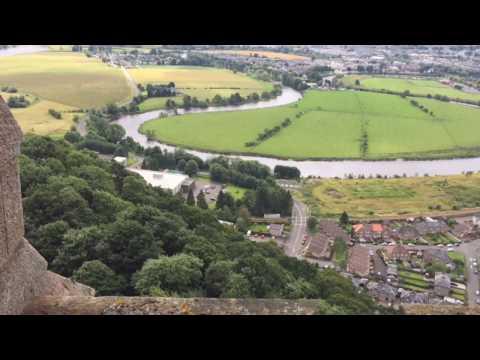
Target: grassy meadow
column 330, row 126
column 418, row 87
column 393, row 197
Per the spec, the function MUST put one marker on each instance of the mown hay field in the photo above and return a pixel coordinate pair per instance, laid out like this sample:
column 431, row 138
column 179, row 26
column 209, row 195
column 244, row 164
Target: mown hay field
column 70, row 79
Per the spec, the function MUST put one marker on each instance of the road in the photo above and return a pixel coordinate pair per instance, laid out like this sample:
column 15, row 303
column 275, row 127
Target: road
column 300, row 215
column 471, row 250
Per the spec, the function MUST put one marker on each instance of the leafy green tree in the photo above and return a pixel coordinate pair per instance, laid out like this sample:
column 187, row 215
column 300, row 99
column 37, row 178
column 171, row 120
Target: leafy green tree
column 50, row 238
column 237, row 287
column 96, row 177
column 177, row 274
column 191, row 198
column 344, row 219
column 191, row 168
column 312, row 223
column 100, row 277
column 202, row 201
column 217, row 276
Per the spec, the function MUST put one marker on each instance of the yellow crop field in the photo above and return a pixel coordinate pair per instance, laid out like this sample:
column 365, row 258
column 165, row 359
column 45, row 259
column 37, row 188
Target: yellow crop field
column 67, row 78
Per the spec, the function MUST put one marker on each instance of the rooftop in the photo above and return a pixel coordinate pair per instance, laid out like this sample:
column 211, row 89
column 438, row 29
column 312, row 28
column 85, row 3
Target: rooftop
column 165, row 180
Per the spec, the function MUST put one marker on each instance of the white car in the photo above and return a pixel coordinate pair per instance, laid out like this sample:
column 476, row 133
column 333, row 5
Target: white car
column 477, row 292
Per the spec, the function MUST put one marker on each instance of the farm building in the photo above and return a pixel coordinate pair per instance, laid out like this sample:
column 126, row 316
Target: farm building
column 163, row 179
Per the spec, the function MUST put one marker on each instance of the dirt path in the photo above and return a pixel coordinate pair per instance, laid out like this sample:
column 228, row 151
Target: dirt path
column 131, row 83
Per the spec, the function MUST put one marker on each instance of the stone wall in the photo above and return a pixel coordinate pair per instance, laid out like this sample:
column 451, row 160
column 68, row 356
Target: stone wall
column 23, row 271
column 168, row 306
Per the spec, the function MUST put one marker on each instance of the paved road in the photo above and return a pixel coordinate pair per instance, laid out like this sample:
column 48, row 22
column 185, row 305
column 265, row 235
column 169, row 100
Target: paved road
column 471, row 250
column 300, row 215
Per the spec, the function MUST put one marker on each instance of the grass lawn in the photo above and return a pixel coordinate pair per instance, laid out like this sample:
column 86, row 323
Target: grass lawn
column 259, row 228
column 420, row 87
column 236, row 192
column 436, row 239
column 331, row 126
column 67, row 78
column 392, row 197
column 413, row 280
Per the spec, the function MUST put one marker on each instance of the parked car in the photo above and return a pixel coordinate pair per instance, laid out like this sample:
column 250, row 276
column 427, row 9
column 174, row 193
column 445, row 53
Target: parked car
column 477, row 292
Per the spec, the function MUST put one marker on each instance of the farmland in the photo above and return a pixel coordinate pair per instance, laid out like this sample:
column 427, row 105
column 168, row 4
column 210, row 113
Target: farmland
column 416, row 87
column 200, row 82
column 67, row 78
column 62, row 81
column 329, row 125
column 266, row 54
column 393, row 197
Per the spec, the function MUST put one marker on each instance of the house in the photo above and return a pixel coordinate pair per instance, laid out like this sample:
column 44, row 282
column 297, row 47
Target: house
column 333, row 231
column 163, row 179
column 121, row 160
column 412, row 297
column 276, row 230
column 368, row 232
column 404, row 233
column 436, row 255
column 382, row 292
column 431, row 227
column 396, row 253
column 319, row 247
column 461, row 231
column 442, row 284
column 379, row 266
column 187, row 185
column 359, row 261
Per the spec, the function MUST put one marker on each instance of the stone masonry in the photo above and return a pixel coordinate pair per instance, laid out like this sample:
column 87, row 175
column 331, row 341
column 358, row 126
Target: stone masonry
column 23, row 271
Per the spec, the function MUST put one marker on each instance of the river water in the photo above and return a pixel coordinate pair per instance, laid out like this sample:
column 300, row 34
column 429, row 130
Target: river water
column 23, row 49
column 326, row 169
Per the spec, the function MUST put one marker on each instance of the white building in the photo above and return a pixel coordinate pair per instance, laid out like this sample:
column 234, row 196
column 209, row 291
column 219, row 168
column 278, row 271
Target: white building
column 163, row 179
column 121, row 160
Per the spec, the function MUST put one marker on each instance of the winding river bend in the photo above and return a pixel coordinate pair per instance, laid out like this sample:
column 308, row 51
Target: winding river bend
column 326, row 169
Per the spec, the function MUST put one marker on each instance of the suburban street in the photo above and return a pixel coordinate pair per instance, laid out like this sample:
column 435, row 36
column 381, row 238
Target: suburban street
column 299, row 229
column 471, row 250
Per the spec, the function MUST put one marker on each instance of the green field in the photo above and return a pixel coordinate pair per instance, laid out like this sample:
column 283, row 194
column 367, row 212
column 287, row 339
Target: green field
column 200, row 82
column 331, row 126
column 416, row 87
column 236, row 192
column 392, row 197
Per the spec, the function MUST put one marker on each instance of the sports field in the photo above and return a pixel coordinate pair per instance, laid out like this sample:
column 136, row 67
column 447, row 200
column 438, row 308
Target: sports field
column 330, row 125
column 266, row 54
column 416, row 87
column 392, row 197
column 67, row 78
column 200, row 82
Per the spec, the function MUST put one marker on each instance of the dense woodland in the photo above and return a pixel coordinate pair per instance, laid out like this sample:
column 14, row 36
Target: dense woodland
column 94, row 221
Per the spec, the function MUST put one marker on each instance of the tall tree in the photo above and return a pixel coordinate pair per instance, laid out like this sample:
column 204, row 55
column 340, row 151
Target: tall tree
column 202, row 201
column 191, row 198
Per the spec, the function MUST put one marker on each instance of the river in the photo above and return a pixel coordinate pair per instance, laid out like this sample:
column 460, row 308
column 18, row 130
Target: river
column 23, row 49
column 326, row 169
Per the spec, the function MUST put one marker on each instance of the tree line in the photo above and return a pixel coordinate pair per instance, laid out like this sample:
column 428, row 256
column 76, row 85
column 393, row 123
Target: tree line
column 105, row 227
